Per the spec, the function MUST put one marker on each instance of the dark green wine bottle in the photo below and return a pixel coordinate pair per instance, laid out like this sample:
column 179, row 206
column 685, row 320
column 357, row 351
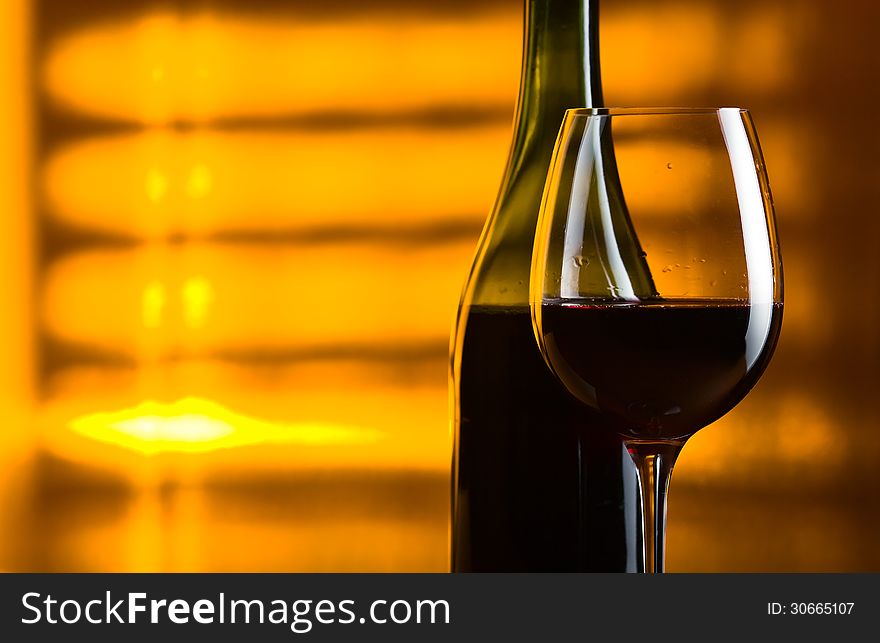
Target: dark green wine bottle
column 535, row 486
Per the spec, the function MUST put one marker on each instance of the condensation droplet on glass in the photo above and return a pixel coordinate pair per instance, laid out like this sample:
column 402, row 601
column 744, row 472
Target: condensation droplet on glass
column 667, row 268
column 702, row 261
column 643, row 254
column 520, row 282
column 669, row 166
column 724, row 272
column 581, row 261
column 713, row 283
column 678, row 265
column 687, row 267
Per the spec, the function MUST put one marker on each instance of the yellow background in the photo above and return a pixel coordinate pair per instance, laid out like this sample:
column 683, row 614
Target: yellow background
column 232, row 240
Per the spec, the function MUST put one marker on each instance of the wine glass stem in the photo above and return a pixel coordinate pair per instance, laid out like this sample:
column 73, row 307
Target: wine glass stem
column 654, row 462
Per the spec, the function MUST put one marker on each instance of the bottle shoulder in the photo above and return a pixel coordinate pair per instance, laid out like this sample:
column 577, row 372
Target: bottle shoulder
column 500, row 273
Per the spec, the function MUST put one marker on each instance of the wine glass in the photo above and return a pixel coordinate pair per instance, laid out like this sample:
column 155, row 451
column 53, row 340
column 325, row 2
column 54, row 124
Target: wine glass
column 656, row 283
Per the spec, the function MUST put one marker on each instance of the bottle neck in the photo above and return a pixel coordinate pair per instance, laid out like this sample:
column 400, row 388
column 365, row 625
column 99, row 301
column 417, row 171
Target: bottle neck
column 560, row 71
column 560, row 65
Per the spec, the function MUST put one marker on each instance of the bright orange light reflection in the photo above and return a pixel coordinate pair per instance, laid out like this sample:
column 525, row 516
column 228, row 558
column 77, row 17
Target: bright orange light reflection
column 197, row 294
column 156, row 183
column 297, row 417
column 205, row 66
column 194, row 425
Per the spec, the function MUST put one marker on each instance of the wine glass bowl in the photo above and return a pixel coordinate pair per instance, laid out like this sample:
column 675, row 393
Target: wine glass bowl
column 656, row 283
column 657, row 370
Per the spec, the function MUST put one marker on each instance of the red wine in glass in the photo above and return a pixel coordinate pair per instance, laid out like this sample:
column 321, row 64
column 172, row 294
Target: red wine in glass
column 659, row 370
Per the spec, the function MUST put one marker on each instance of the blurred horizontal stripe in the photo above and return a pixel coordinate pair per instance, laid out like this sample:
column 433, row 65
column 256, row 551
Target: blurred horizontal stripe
column 161, row 183
column 769, row 442
column 158, row 67
column 670, row 53
column 202, row 66
column 211, row 377
column 65, row 127
column 659, row 48
column 62, row 13
column 712, row 531
column 198, row 299
column 352, row 520
column 301, row 423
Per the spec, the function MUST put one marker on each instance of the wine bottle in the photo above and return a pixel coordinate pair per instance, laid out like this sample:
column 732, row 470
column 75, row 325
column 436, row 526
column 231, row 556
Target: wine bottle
column 535, row 487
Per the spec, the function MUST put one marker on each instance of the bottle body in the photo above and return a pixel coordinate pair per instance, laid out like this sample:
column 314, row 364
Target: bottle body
column 535, row 486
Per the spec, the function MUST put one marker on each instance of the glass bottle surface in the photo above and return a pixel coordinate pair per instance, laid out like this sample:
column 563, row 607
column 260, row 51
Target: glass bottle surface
column 533, row 488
